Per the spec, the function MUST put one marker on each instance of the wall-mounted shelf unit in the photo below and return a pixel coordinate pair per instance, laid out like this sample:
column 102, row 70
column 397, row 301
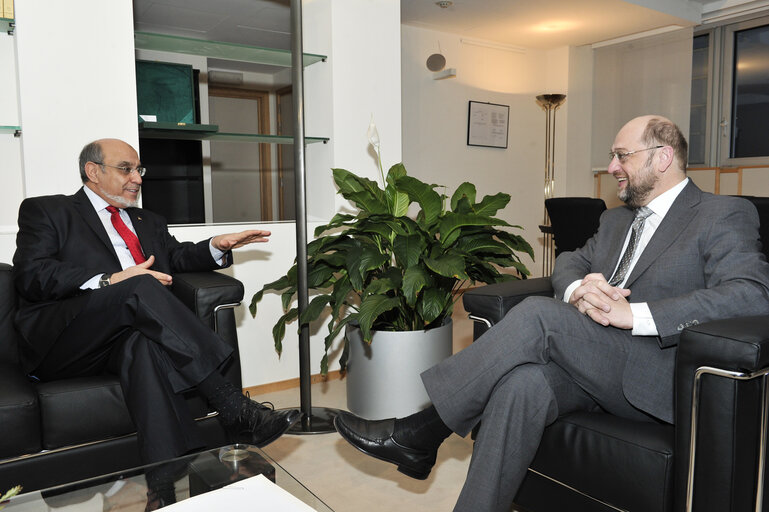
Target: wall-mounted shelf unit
column 219, row 50
column 7, row 25
column 15, row 130
column 174, row 131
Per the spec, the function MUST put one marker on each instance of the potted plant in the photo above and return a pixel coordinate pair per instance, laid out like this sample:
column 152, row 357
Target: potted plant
column 382, row 270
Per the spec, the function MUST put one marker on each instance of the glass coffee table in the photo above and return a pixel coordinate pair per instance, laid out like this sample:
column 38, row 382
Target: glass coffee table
column 193, row 475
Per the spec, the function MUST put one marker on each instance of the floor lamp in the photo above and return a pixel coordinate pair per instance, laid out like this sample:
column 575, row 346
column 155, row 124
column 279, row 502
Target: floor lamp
column 315, row 420
column 549, row 103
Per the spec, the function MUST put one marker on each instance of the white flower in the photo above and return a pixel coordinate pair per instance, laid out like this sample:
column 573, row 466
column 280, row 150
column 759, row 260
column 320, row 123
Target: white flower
column 373, row 134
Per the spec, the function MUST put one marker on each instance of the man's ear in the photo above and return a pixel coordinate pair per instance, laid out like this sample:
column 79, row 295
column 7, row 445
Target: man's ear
column 665, row 158
column 92, row 171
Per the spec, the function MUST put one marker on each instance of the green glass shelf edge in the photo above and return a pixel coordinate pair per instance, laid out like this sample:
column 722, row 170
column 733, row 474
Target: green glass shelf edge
column 7, row 24
column 154, row 125
column 151, row 133
column 219, row 50
column 10, row 129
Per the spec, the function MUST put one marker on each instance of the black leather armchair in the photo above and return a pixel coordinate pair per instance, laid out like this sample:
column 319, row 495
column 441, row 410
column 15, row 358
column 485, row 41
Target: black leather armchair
column 573, row 220
column 62, row 431
column 598, row 462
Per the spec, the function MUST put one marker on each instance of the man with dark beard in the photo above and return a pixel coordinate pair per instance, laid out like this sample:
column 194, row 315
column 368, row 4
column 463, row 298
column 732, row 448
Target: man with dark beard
column 673, row 256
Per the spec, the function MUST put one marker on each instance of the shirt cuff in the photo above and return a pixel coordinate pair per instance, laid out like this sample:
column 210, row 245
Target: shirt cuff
column 216, row 254
column 573, row 286
column 92, row 283
column 643, row 323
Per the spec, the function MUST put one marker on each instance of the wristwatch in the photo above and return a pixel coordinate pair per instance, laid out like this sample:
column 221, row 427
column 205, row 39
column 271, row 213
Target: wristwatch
column 104, row 280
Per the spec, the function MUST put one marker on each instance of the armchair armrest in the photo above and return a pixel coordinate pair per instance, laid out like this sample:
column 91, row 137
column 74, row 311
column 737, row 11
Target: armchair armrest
column 205, row 292
column 728, row 411
column 493, row 301
column 489, row 304
column 212, row 297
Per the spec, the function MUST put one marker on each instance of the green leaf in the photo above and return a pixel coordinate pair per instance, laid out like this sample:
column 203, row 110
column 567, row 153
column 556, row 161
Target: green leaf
column 515, row 242
column 279, row 330
column 423, row 194
column 365, row 193
column 254, row 300
column 314, row 308
column 434, row 302
column 464, row 190
column 482, row 244
column 380, row 287
column 338, row 220
column 448, row 265
column 396, row 172
column 399, row 203
column 490, row 205
column 371, row 258
column 408, row 249
column 414, row 279
column 452, row 222
column 370, row 309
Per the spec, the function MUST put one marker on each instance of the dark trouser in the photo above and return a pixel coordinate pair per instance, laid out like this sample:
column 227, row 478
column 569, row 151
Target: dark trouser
column 139, row 331
column 544, row 359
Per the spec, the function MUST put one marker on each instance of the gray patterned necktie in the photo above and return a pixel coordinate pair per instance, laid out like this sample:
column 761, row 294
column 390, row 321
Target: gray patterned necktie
column 636, row 229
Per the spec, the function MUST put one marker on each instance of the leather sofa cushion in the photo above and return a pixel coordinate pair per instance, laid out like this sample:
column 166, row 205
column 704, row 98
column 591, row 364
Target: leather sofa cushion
column 625, row 463
column 87, row 409
column 19, row 417
column 79, row 410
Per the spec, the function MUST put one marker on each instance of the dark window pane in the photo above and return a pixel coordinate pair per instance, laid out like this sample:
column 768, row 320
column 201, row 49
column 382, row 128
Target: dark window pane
column 699, row 101
column 750, row 101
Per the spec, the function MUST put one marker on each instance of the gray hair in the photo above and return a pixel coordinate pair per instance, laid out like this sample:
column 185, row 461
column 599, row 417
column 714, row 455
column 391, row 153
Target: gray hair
column 90, row 153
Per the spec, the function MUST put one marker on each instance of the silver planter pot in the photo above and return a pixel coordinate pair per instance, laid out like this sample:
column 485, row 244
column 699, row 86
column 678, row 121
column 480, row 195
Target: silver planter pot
column 383, row 377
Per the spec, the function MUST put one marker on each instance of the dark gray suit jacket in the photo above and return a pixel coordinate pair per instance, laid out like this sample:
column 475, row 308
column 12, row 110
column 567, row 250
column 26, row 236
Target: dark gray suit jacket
column 703, row 263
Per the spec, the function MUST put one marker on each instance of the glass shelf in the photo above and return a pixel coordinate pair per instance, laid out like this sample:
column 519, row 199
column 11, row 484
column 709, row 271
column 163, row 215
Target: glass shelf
column 210, row 132
column 7, row 25
column 15, row 130
column 219, row 50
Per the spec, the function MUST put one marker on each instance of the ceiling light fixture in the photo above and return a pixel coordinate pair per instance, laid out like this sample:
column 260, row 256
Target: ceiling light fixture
column 491, row 44
column 443, row 4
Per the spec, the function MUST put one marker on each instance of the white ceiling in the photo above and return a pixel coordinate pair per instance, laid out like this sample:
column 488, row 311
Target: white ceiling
column 539, row 24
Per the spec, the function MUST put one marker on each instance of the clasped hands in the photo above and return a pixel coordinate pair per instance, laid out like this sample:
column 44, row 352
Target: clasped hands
column 225, row 242
column 603, row 303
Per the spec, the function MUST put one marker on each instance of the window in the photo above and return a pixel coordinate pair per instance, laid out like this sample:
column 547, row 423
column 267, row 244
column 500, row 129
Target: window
column 729, row 122
column 749, row 117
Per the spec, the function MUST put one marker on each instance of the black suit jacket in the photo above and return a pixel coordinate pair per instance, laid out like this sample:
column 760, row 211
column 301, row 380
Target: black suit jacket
column 62, row 243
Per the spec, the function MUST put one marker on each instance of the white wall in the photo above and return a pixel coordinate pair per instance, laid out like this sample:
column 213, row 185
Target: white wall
column 10, row 148
column 75, row 67
column 435, row 122
column 76, row 74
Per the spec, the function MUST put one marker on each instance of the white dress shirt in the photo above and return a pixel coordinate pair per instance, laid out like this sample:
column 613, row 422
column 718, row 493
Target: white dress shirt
column 121, row 248
column 643, row 323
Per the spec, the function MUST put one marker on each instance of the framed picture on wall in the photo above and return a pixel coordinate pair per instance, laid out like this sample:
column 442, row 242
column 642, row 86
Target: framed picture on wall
column 487, row 124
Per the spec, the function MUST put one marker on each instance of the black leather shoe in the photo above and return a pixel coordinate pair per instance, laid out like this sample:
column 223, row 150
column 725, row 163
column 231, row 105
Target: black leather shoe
column 375, row 438
column 264, row 425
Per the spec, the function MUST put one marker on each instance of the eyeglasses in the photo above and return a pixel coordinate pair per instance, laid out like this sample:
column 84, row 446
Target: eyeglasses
column 622, row 157
column 141, row 171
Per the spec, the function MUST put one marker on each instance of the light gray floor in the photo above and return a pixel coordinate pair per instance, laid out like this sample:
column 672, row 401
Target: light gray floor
column 347, row 480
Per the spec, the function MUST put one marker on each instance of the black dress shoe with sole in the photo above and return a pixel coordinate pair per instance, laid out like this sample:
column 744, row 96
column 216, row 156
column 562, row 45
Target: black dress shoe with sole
column 375, row 438
column 260, row 425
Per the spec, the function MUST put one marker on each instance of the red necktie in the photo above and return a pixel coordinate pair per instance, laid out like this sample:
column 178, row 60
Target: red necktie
column 127, row 235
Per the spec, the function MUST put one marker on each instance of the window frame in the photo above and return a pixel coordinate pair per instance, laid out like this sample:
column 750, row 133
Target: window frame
column 722, row 128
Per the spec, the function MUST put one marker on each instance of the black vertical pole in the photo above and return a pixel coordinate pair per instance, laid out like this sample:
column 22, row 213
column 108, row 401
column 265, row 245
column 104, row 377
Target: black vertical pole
column 314, row 420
